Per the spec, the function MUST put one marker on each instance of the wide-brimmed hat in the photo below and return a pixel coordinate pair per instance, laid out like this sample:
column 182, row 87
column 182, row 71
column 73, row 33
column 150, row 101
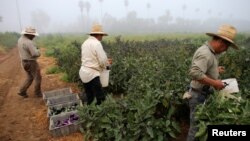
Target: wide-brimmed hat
column 30, row 30
column 226, row 32
column 97, row 29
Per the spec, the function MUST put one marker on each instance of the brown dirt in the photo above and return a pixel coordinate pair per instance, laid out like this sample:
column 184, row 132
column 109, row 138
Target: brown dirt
column 26, row 119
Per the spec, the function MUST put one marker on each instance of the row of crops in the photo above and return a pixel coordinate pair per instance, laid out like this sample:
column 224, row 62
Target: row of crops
column 8, row 40
column 147, row 81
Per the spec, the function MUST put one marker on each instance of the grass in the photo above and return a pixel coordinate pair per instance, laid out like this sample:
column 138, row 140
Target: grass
column 53, row 70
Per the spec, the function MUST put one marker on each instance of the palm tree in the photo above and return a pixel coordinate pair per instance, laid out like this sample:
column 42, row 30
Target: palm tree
column 81, row 6
column 101, row 9
column 126, row 5
column 87, row 5
column 184, row 7
column 19, row 14
column 148, row 7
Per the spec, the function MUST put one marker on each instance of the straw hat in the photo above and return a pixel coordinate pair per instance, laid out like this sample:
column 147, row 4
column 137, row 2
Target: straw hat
column 226, row 32
column 30, row 30
column 97, row 29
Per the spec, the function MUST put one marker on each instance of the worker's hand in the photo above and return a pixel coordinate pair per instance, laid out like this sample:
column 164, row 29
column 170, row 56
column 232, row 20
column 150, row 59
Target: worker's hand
column 110, row 61
column 218, row 85
column 221, row 69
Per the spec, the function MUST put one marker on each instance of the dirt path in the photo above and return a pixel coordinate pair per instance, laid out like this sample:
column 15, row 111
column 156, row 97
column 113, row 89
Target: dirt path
column 25, row 119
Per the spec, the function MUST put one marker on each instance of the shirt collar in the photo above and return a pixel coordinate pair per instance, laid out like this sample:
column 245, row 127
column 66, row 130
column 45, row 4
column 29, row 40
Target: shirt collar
column 92, row 37
column 210, row 47
column 25, row 37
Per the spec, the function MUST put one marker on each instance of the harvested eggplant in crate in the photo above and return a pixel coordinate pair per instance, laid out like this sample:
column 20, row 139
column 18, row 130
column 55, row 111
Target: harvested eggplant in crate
column 64, row 124
column 62, row 108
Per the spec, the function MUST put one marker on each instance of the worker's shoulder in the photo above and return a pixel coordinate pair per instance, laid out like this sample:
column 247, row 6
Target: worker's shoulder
column 204, row 49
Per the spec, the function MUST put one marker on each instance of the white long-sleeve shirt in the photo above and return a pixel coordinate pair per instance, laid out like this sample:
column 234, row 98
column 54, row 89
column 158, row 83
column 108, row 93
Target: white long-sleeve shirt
column 94, row 59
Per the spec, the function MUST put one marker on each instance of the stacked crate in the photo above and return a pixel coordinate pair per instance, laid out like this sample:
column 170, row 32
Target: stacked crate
column 62, row 111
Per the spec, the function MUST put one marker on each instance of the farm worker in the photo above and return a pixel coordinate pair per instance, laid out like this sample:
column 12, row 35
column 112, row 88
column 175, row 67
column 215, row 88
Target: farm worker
column 29, row 53
column 94, row 61
column 205, row 70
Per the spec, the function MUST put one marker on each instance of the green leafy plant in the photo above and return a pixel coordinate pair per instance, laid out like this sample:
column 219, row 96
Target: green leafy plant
column 222, row 110
column 149, row 77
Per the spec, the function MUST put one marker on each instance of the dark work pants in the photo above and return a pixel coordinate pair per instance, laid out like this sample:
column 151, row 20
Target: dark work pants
column 197, row 98
column 32, row 70
column 94, row 89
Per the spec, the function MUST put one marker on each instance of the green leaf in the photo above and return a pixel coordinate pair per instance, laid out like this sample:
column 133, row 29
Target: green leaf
column 176, row 126
column 160, row 137
column 89, row 125
column 167, row 123
column 170, row 111
column 172, row 134
column 150, row 132
column 202, row 129
column 106, row 126
column 165, row 102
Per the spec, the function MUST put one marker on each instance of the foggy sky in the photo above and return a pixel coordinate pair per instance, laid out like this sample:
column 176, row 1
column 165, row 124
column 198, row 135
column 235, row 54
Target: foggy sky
column 123, row 15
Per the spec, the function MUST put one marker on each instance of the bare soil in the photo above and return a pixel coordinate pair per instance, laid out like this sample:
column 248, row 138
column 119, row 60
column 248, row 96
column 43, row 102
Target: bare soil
column 26, row 119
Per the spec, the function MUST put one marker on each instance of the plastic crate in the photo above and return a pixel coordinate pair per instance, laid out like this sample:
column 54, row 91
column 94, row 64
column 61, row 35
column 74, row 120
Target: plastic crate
column 56, row 127
column 62, row 99
column 67, row 106
column 54, row 93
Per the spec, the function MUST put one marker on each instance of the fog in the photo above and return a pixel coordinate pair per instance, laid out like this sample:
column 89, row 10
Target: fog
column 124, row 16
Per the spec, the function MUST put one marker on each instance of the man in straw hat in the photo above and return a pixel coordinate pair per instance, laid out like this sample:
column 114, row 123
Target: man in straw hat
column 29, row 53
column 205, row 70
column 94, row 61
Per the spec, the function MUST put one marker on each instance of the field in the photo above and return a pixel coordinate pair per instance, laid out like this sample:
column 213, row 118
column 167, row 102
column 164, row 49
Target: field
column 147, row 80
